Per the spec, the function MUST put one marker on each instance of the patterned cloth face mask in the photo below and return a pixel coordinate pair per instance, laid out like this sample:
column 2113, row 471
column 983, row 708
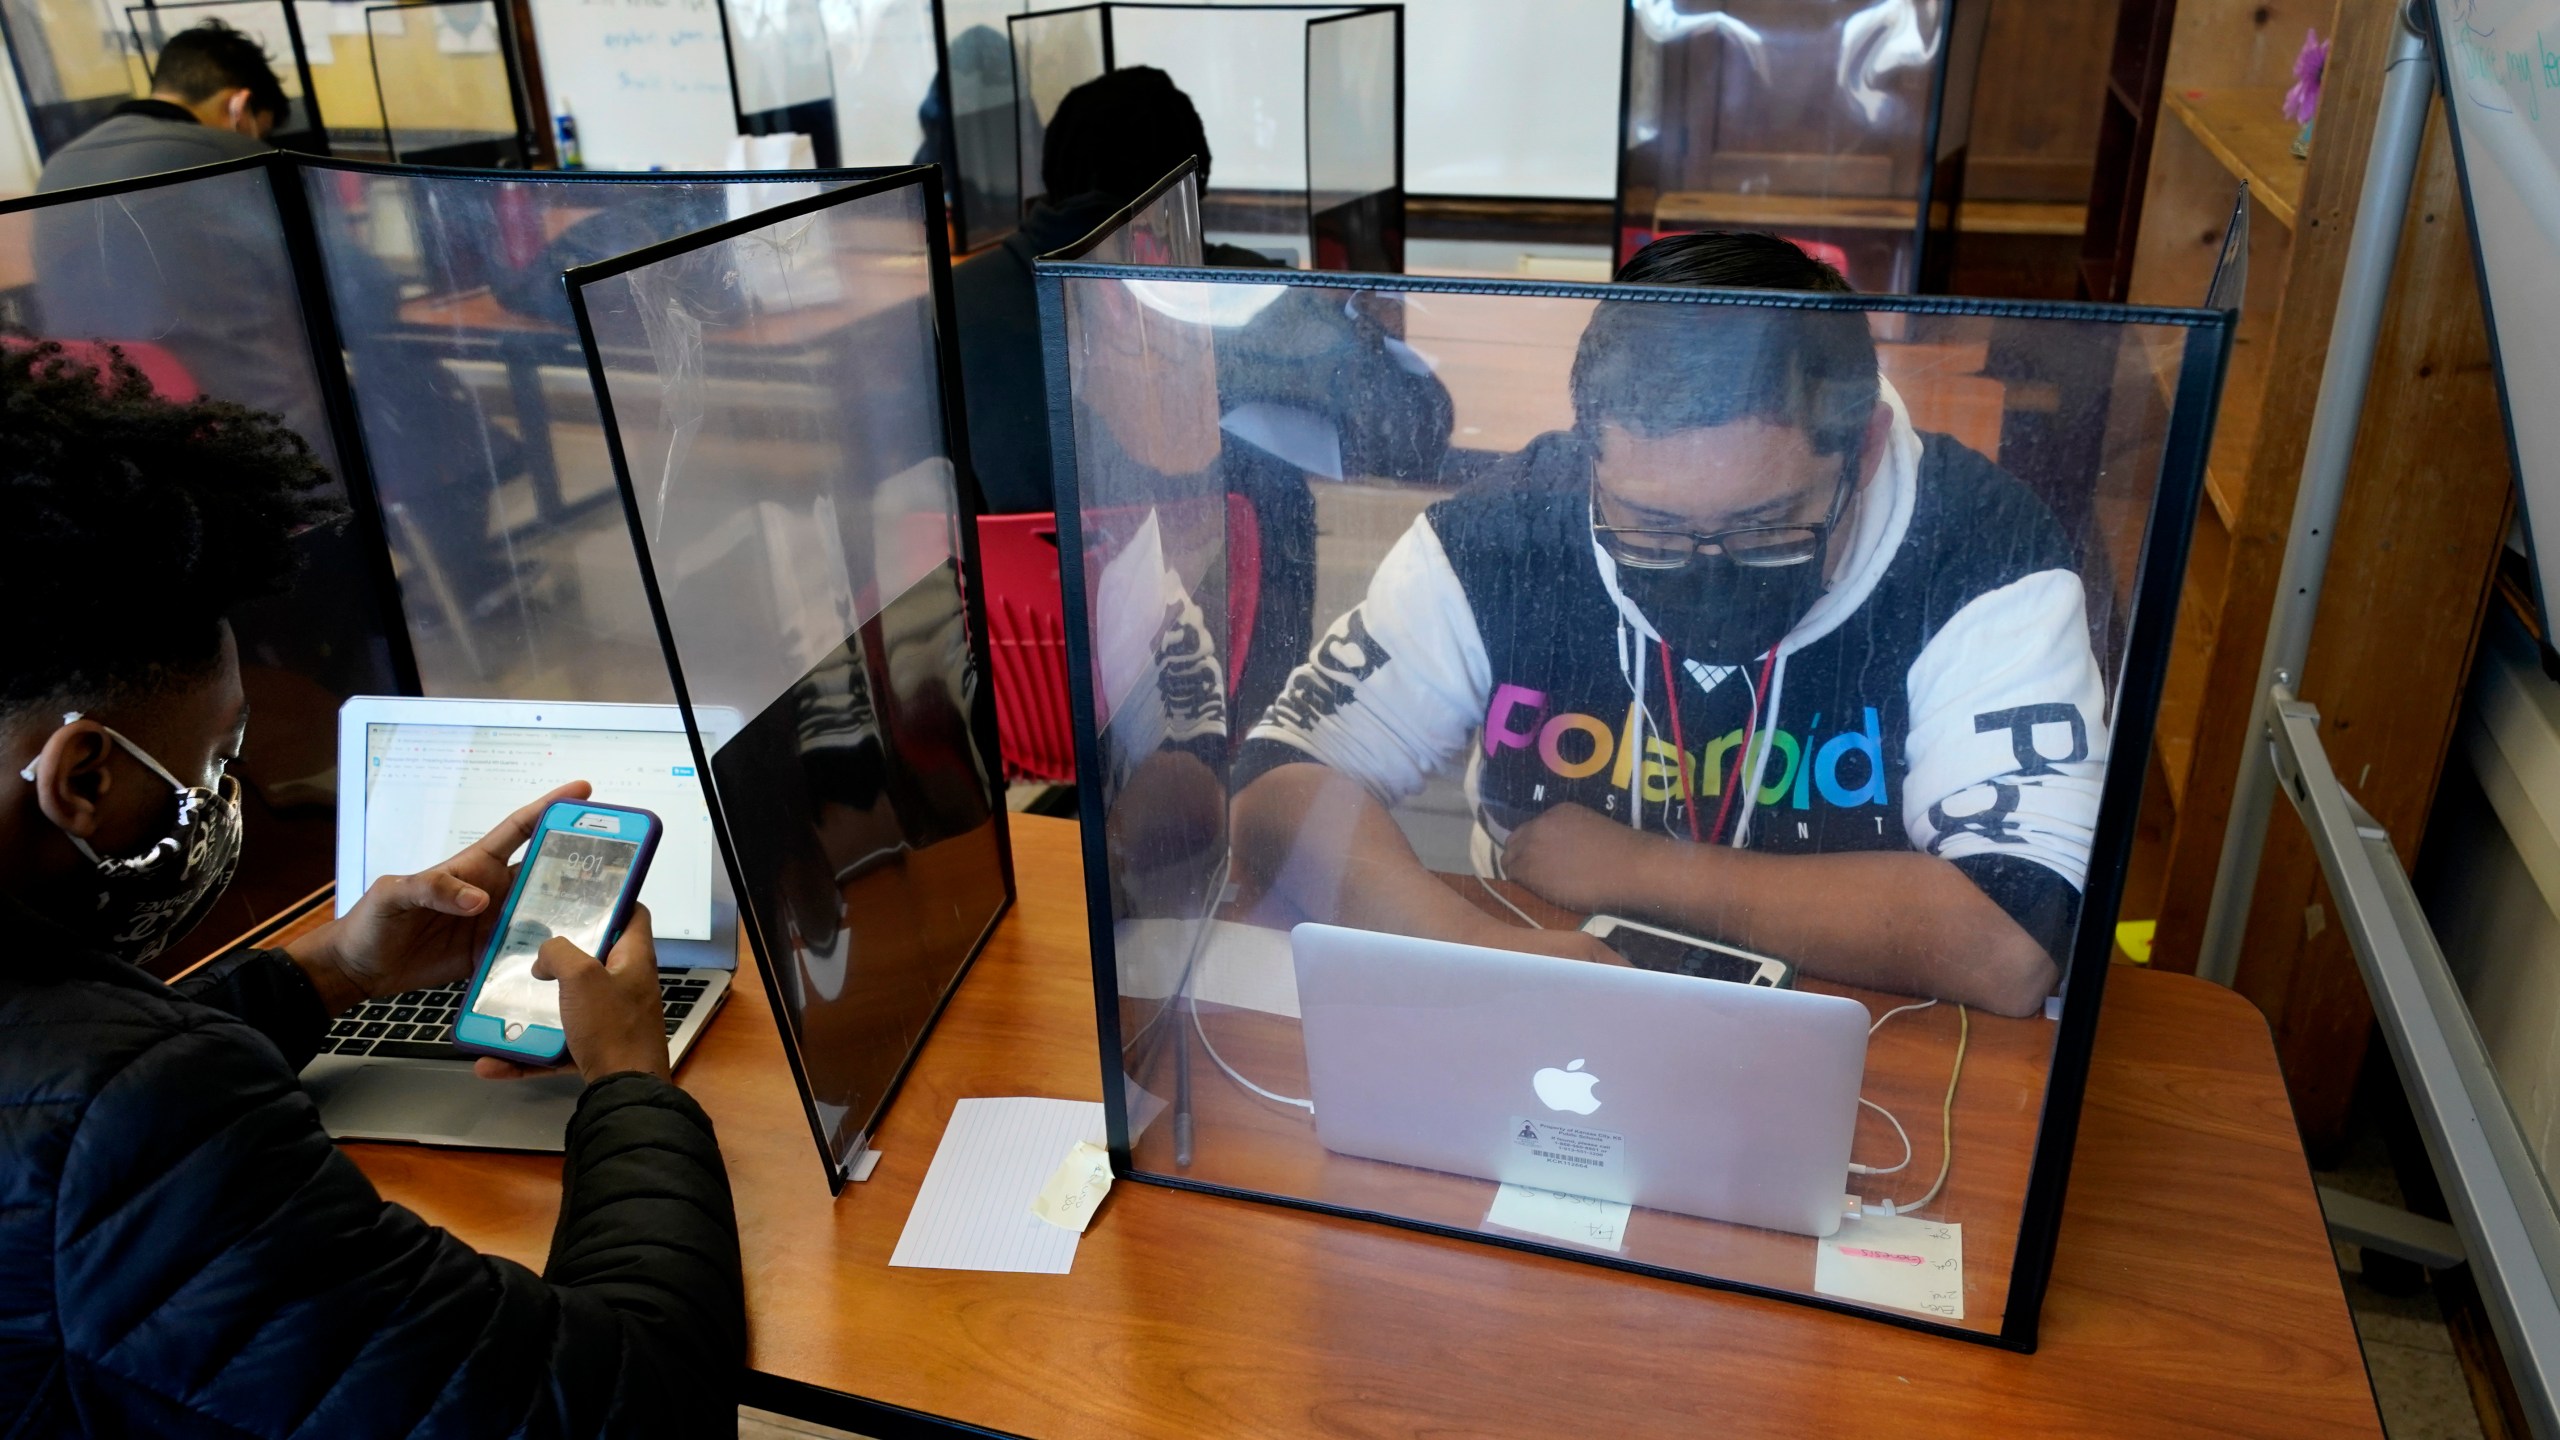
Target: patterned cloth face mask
column 147, row 902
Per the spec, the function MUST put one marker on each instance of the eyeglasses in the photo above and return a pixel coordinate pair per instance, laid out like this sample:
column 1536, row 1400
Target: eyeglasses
column 1753, row 547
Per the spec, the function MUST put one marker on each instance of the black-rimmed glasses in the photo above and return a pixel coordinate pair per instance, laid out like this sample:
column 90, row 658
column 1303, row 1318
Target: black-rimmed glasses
column 1753, row 547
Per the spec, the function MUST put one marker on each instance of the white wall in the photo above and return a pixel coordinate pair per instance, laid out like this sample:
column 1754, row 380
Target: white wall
column 18, row 163
column 1512, row 97
column 1502, row 97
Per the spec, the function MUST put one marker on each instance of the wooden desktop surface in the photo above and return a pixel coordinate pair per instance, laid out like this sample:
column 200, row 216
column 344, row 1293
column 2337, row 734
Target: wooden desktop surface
column 2194, row 1292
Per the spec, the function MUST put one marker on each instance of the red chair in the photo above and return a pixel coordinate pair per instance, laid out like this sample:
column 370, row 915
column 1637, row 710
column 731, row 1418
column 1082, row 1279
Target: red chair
column 167, row 373
column 1027, row 633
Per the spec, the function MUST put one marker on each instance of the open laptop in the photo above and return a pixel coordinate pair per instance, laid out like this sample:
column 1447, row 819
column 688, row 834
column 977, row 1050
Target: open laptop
column 1731, row 1102
column 420, row 779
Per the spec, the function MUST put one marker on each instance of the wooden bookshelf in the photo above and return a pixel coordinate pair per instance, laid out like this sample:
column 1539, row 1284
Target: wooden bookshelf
column 2246, row 130
column 2414, row 551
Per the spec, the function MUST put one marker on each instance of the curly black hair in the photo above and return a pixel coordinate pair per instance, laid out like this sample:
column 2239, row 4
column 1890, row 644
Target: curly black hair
column 132, row 524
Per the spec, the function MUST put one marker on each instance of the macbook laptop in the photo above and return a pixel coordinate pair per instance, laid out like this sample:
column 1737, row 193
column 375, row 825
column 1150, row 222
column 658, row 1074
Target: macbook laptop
column 1731, row 1102
column 420, row 779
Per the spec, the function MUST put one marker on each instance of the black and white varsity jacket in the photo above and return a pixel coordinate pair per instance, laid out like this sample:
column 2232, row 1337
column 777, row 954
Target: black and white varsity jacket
column 1943, row 694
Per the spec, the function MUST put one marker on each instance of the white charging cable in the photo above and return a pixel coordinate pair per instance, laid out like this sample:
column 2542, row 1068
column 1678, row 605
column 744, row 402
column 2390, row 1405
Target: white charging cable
column 1889, row 1119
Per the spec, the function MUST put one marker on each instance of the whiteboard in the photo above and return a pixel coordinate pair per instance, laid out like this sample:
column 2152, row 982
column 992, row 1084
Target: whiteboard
column 646, row 80
column 2503, row 97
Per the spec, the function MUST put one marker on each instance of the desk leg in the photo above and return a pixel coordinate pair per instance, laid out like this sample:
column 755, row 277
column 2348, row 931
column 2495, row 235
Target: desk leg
column 533, row 417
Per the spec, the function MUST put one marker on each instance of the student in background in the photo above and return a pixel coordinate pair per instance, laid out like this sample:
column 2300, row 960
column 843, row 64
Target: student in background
column 213, row 98
column 1742, row 652
column 1109, row 140
column 185, row 1253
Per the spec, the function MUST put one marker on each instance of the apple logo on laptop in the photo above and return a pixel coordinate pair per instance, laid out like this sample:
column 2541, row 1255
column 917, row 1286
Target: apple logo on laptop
column 1567, row 1089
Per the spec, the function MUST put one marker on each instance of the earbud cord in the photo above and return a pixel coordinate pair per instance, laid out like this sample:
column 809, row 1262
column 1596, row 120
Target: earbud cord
column 1679, row 742
column 1750, row 731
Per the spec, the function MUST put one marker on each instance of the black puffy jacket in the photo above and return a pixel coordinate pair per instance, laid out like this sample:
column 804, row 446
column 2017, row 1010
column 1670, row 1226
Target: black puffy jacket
column 184, row 1253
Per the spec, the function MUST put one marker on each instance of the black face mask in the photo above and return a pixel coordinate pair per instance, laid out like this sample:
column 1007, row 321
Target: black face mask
column 1718, row 612
column 147, row 902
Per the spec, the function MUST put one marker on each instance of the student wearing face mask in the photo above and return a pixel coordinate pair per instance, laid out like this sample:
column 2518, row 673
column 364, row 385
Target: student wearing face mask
column 184, row 1253
column 1742, row 653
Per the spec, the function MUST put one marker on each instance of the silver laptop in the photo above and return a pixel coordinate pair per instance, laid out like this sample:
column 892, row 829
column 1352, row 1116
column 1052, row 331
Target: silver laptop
column 1732, row 1102
column 420, row 779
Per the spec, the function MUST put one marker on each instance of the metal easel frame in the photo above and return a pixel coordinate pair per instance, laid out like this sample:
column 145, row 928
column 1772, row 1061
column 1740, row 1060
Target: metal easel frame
column 2502, row 1213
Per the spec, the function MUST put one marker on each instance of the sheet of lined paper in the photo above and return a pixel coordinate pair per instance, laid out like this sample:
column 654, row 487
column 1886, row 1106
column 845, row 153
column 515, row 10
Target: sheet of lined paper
column 974, row 1210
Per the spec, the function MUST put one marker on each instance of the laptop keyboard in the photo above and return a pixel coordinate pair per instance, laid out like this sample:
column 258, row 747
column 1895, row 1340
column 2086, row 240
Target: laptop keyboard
column 419, row 1024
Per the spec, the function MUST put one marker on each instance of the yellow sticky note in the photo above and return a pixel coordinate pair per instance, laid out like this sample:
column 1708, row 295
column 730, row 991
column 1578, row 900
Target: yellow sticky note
column 2133, row 937
column 1076, row 1189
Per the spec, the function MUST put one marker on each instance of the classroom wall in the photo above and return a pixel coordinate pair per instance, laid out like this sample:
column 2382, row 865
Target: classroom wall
column 2489, row 874
column 1512, row 97
column 18, row 163
column 1502, row 97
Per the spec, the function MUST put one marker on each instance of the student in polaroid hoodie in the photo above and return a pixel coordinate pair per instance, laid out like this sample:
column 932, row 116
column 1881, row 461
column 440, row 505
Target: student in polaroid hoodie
column 1742, row 654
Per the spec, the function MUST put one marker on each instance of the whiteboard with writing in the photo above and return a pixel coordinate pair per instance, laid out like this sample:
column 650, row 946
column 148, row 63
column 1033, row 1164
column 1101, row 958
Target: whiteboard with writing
column 646, row 80
column 2502, row 76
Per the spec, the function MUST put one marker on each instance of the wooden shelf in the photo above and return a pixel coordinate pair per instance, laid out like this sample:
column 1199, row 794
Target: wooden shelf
column 2246, row 130
column 2225, row 495
column 2021, row 217
column 1761, row 210
column 1678, row 208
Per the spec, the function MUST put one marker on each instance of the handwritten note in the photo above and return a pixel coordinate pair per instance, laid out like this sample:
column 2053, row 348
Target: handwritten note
column 1895, row 1260
column 1076, row 1188
column 1574, row 1219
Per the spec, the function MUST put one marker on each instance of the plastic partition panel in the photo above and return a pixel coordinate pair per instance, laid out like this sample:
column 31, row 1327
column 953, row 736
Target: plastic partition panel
column 1245, row 69
column 2229, row 287
column 194, row 279
column 979, row 140
column 1355, row 141
column 443, row 83
column 886, row 70
column 1815, row 121
column 774, row 390
column 1735, row 606
column 482, row 431
column 783, row 71
column 75, row 61
column 1053, row 53
column 273, row 24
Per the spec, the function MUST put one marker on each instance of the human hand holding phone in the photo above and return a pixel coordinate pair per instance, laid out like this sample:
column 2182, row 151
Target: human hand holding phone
column 609, row 1009
column 408, row 932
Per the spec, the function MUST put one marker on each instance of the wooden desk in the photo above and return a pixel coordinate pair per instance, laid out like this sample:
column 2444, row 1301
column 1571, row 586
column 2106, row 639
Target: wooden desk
column 2194, row 1292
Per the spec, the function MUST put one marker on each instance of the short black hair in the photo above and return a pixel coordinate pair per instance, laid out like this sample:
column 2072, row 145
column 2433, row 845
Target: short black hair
column 1731, row 260
column 1120, row 134
column 204, row 60
column 1655, row 367
column 131, row 525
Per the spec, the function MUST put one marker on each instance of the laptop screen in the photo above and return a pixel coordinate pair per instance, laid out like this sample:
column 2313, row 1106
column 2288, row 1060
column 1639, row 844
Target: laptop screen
column 432, row 789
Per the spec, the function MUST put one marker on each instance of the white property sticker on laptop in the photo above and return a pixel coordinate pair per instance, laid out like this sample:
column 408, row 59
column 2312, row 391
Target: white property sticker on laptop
column 1573, row 1149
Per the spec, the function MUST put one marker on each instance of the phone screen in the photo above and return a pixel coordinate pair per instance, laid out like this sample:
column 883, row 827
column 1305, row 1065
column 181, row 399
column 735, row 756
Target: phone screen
column 1649, row 951
column 571, row 884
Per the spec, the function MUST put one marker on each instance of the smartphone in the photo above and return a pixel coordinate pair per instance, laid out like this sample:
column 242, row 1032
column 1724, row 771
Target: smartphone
column 580, row 877
column 1649, row 948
